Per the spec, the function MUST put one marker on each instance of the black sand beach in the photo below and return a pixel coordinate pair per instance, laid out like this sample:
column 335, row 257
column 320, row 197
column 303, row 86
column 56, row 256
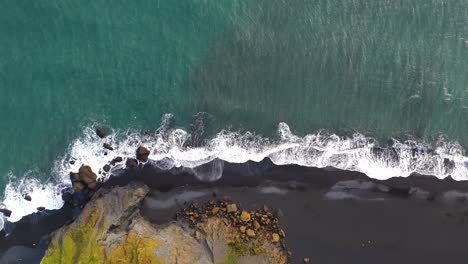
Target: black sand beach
column 419, row 219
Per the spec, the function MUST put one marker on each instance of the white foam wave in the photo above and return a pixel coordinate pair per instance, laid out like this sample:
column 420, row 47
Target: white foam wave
column 355, row 153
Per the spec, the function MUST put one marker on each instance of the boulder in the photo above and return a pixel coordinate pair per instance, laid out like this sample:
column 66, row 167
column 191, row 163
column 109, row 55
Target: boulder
column 142, row 153
column 116, row 160
column 245, row 216
column 5, row 212
column 101, row 132
column 78, row 186
column 92, row 186
column 107, row 146
column 106, row 168
column 87, row 175
column 275, row 238
column 231, row 208
column 27, row 197
column 74, row 176
column 131, row 163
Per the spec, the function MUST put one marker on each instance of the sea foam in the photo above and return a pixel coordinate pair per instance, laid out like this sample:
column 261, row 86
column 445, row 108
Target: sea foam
column 169, row 146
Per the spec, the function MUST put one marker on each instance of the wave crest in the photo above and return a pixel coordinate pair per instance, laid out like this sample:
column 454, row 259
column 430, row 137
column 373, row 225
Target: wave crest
column 172, row 147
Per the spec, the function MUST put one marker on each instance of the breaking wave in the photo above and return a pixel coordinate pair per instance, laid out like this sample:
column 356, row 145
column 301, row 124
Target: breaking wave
column 175, row 147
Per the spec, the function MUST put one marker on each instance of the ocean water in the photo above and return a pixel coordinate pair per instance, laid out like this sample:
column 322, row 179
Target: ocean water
column 315, row 83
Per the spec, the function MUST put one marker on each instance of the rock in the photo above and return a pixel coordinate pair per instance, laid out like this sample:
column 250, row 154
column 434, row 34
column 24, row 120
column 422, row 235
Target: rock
column 106, row 168
column 215, row 210
column 107, row 146
column 231, row 208
column 306, row 260
column 71, row 162
column 256, row 225
column 74, row 176
column 27, row 197
column 282, row 233
column 110, row 229
column 78, row 186
column 40, row 208
column 116, row 160
column 250, row 233
column 87, row 175
column 275, row 238
column 67, row 197
column 245, row 216
column 5, row 212
column 101, row 132
column 131, row 163
column 142, row 154
column 92, row 186
column 242, row 229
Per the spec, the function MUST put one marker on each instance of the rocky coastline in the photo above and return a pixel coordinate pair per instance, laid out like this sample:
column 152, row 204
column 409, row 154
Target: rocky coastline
column 257, row 212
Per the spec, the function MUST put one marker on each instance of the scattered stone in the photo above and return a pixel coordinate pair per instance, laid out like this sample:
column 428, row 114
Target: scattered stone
column 5, row 212
column 40, row 208
column 256, row 225
column 242, row 229
column 306, row 260
column 101, row 132
column 282, row 233
column 131, row 163
column 275, row 238
column 107, row 146
column 142, row 153
column 106, row 168
column 87, row 175
column 27, row 197
column 231, row 208
column 250, row 233
column 215, row 210
column 245, row 216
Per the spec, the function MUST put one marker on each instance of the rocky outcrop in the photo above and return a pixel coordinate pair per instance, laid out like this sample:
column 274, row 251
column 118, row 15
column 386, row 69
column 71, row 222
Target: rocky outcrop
column 142, row 154
column 111, row 230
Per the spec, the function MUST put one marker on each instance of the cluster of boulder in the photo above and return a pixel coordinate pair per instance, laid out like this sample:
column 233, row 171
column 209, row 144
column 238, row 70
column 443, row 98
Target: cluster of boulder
column 251, row 225
column 85, row 183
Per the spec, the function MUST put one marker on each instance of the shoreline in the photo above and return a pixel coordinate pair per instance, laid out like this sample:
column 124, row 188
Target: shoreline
column 361, row 198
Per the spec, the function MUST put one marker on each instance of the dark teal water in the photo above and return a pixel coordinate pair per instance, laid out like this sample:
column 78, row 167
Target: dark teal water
column 381, row 67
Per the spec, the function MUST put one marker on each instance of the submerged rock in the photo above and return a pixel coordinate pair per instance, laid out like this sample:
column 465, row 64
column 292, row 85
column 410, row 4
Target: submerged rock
column 142, row 154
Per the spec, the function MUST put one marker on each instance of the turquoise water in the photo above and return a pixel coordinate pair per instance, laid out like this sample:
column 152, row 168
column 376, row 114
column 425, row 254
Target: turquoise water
column 382, row 68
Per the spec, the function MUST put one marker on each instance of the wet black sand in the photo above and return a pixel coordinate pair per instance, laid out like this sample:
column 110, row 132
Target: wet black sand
column 390, row 226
